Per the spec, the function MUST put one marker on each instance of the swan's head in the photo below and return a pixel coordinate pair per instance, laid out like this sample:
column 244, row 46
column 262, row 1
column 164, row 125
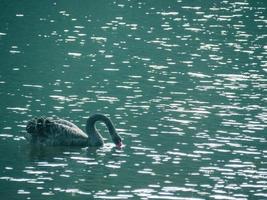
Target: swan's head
column 117, row 141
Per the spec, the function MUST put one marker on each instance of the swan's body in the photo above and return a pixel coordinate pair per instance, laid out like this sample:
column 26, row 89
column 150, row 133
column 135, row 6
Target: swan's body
column 60, row 132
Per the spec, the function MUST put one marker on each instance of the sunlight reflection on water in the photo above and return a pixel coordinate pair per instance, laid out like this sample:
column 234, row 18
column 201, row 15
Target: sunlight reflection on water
column 185, row 85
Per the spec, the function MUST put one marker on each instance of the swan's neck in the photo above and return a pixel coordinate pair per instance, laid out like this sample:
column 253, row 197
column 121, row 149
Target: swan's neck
column 95, row 138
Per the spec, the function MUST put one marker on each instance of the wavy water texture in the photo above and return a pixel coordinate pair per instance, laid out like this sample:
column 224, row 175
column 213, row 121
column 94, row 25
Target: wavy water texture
column 184, row 83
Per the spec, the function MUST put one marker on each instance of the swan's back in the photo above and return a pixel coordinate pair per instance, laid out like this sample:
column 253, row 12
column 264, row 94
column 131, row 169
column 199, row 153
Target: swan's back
column 53, row 132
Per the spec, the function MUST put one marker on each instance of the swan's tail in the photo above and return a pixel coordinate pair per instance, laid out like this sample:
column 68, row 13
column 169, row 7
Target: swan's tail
column 36, row 126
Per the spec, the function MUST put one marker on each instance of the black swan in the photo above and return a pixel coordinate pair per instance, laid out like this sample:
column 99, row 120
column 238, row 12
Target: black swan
column 60, row 132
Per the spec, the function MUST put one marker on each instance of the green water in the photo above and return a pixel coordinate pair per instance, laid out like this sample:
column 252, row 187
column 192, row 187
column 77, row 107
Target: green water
column 185, row 83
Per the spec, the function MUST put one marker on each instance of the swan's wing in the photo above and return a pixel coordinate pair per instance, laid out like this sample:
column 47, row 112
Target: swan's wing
column 65, row 122
column 62, row 134
column 55, row 132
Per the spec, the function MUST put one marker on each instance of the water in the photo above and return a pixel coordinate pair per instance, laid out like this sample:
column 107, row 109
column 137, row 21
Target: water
column 184, row 82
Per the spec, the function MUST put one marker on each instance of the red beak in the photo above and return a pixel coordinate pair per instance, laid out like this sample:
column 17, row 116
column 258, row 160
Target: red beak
column 119, row 145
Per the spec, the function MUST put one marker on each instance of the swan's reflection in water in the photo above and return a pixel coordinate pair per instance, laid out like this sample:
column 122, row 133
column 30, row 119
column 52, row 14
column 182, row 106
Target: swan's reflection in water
column 49, row 153
column 76, row 170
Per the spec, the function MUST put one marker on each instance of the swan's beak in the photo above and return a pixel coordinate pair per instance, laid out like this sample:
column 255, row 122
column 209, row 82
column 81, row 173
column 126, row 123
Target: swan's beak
column 119, row 145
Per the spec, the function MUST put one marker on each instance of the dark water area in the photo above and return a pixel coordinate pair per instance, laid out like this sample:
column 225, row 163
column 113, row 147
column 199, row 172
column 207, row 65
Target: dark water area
column 185, row 83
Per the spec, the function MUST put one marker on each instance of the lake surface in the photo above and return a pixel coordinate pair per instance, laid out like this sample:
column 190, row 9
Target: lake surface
column 185, row 83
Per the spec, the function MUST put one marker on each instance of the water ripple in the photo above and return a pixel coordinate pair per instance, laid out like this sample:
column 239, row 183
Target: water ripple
column 184, row 84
